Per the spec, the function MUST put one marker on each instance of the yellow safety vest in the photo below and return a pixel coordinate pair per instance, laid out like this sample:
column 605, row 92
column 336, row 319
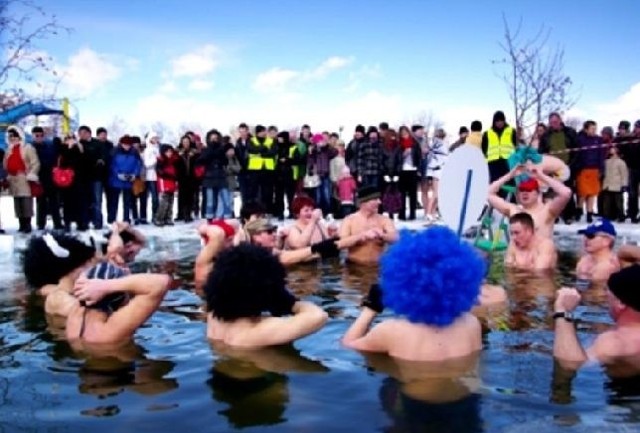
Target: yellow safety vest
column 295, row 168
column 500, row 147
column 256, row 161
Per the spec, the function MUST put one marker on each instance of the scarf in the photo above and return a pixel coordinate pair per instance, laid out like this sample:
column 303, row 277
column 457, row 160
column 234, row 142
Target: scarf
column 406, row 143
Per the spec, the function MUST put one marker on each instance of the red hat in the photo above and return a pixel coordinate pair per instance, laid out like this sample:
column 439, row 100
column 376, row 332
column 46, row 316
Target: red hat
column 529, row 185
column 228, row 230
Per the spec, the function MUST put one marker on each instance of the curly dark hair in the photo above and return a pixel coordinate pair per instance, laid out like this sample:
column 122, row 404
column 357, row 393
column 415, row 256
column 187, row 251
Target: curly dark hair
column 41, row 266
column 246, row 281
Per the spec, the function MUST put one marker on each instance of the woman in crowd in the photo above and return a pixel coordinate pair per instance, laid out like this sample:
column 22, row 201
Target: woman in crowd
column 22, row 166
column 391, row 166
column 186, row 179
column 409, row 174
column 74, row 208
column 214, row 159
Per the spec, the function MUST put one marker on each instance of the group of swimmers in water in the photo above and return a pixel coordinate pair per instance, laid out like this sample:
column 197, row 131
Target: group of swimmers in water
column 431, row 279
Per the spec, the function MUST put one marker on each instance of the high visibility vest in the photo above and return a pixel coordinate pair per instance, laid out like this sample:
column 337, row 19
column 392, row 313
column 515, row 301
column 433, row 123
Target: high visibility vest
column 295, row 168
column 256, row 161
column 500, row 147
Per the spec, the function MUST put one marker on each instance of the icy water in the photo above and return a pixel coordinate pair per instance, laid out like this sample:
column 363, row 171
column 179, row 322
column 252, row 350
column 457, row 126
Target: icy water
column 172, row 379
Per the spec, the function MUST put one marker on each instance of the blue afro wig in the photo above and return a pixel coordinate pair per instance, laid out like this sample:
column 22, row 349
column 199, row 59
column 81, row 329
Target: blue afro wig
column 431, row 277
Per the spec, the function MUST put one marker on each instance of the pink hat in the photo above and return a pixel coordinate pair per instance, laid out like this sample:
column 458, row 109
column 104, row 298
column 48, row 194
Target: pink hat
column 317, row 138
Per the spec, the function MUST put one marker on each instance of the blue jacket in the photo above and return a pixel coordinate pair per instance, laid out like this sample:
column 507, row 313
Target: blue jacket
column 125, row 167
column 590, row 158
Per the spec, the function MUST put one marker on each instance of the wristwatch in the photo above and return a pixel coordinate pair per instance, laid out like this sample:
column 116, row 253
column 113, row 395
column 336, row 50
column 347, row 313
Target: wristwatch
column 566, row 315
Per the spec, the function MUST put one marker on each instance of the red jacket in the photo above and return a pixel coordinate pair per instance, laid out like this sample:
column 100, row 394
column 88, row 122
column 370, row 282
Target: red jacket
column 167, row 171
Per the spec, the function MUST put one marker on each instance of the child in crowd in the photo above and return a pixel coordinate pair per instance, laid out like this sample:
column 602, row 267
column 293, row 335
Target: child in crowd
column 167, row 172
column 346, row 192
column 616, row 180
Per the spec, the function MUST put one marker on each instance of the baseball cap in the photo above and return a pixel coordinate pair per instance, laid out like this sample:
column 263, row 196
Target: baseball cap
column 529, row 185
column 624, row 286
column 259, row 225
column 602, row 225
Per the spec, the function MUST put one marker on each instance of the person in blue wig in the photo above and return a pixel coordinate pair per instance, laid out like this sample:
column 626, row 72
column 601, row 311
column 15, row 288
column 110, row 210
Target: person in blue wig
column 431, row 280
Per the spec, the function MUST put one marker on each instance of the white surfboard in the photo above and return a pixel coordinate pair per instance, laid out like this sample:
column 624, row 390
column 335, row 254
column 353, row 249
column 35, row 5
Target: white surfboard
column 464, row 185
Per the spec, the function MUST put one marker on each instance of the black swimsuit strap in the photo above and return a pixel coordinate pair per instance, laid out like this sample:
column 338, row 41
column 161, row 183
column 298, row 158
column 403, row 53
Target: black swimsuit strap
column 84, row 317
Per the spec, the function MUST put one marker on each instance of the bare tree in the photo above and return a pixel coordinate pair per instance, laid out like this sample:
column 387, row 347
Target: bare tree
column 428, row 120
column 117, row 128
column 23, row 24
column 535, row 76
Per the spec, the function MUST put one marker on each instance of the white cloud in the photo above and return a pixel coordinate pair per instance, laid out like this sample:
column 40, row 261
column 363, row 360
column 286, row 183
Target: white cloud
column 357, row 77
column 331, row 64
column 201, row 85
column 624, row 107
column 275, row 79
column 87, row 71
column 199, row 62
column 168, row 86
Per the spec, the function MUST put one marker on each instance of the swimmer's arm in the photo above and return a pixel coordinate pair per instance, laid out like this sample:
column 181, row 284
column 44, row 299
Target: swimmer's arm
column 389, row 232
column 497, row 202
column 358, row 338
column 307, row 318
column 148, row 290
column 563, row 194
column 566, row 346
column 628, row 255
column 291, row 257
column 213, row 246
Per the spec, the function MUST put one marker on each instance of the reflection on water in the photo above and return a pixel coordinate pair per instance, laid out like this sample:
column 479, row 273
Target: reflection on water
column 253, row 384
column 171, row 378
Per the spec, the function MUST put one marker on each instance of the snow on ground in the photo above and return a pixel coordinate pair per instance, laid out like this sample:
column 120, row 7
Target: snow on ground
column 181, row 240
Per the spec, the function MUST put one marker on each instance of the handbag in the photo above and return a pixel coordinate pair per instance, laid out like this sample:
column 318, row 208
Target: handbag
column 311, row 181
column 36, row 189
column 62, row 177
column 138, row 186
column 392, row 199
column 199, row 171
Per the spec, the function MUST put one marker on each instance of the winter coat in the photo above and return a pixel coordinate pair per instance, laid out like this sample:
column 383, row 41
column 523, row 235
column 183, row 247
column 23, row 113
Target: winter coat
column 319, row 159
column 391, row 161
column 570, row 142
column 18, row 183
column 233, row 169
column 351, row 155
column 48, row 154
column 97, row 155
column 150, row 156
column 125, row 167
column 214, row 159
column 630, row 150
column 589, row 158
column 616, row 175
column 369, row 158
column 335, row 168
column 167, row 171
column 188, row 160
column 73, row 158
